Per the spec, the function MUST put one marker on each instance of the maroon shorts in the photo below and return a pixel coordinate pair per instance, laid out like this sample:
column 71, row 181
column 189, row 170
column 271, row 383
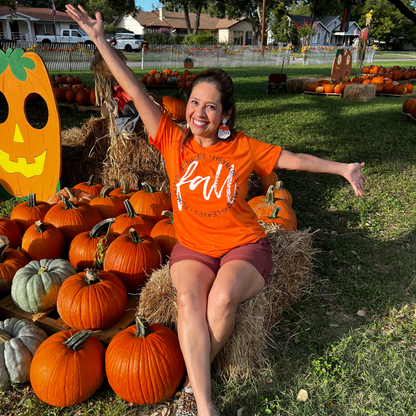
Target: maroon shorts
column 258, row 254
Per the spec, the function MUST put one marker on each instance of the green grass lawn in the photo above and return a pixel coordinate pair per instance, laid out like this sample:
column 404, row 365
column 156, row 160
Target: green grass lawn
column 349, row 363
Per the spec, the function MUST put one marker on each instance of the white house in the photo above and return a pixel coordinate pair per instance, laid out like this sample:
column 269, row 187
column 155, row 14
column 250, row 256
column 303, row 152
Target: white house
column 234, row 31
column 327, row 31
column 27, row 22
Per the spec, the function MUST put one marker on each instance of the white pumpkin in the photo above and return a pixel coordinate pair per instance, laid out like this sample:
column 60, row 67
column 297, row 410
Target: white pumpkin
column 35, row 287
column 19, row 340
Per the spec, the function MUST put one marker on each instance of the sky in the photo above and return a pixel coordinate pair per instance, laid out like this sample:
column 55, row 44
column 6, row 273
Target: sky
column 146, row 5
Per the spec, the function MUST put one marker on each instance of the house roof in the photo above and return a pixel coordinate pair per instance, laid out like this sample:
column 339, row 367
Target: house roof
column 36, row 13
column 353, row 30
column 176, row 20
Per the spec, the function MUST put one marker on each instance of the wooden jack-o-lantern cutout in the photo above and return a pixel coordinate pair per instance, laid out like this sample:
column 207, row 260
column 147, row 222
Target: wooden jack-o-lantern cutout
column 341, row 68
column 30, row 158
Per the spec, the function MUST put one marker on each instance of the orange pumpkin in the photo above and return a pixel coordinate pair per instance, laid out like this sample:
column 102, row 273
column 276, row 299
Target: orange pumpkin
column 409, row 87
column 339, row 89
column 329, row 88
column 174, row 107
column 408, row 104
column 30, row 157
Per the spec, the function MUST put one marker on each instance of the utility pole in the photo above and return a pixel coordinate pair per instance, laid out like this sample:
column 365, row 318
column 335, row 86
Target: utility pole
column 263, row 26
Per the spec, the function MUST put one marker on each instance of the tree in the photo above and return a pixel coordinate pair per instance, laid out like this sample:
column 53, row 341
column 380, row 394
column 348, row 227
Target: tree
column 108, row 8
column 195, row 6
column 389, row 25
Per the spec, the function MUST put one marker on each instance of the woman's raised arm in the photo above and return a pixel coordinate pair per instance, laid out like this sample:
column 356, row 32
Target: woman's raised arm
column 307, row 163
column 149, row 112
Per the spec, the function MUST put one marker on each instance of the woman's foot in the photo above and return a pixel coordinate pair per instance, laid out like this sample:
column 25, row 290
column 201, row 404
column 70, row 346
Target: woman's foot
column 187, row 403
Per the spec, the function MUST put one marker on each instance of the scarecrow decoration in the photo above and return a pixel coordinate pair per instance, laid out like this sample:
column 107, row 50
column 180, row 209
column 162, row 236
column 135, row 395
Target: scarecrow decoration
column 30, row 157
column 115, row 103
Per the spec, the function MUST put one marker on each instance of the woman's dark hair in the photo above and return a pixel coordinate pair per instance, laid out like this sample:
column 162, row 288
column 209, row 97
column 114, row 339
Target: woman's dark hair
column 224, row 84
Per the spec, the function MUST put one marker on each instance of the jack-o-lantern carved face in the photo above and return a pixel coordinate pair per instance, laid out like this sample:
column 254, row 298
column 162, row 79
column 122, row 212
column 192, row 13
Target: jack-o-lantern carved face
column 30, row 158
column 341, row 68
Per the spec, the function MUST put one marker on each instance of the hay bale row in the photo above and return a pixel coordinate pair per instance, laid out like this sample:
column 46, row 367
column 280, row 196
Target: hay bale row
column 300, row 84
column 246, row 350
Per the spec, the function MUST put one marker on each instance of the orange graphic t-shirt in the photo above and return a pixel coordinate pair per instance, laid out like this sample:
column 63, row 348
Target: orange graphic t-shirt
column 209, row 185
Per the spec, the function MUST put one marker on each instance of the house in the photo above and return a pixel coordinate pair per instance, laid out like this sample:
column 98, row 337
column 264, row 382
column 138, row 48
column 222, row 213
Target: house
column 27, row 22
column 327, row 31
column 231, row 31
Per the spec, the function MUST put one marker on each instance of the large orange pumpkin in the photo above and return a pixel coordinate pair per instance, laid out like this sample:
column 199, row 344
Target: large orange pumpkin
column 30, row 157
column 132, row 258
column 93, row 299
column 150, row 202
column 144, row 363
column 67, row 368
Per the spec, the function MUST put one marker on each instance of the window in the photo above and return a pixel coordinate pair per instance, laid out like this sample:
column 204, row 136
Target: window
column 318, row 37
column 249, row 38
column 45, row 29
column 65, row 33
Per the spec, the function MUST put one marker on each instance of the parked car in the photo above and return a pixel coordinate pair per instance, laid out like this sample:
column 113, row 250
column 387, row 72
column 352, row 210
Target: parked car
column 127, row 42
column 6, row 42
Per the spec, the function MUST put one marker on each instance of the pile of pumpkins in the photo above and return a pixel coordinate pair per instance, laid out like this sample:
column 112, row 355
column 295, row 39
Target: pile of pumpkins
column 113, row 239
column 71, row 89
column 169, row 77
column 83, row 251
column 385, row 79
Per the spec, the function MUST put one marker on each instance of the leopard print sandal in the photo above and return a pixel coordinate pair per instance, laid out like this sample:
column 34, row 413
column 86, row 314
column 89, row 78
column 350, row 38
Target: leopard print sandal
column 187, row 403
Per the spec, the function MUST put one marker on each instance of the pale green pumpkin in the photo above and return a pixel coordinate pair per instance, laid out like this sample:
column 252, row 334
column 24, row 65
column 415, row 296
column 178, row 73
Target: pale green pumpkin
column 19, row 340
column 35, row 287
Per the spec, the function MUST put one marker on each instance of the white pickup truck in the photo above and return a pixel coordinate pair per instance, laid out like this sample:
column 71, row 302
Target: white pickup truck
column 127, row 42
column 66, row 36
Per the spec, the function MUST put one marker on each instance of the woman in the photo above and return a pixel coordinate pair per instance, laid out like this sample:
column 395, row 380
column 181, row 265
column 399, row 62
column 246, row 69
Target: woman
column 223, row 256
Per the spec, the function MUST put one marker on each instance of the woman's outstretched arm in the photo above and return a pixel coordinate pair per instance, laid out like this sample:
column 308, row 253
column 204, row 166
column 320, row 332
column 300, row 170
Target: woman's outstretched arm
column 149, row 112
column 307, row 163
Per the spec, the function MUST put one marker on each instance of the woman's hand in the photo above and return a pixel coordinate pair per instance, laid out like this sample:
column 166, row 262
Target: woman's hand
column 93, row 28
column 355, row 177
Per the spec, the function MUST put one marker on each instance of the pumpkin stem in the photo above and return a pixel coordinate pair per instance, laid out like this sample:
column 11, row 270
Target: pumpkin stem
column 124, row 187
column 31, row 200
column 147, row 187
column 92, row 276
column 105, row 191
column 275, row 214
column 143, row 328
column 40, row 226
column 129, row 208
column 135, row 238
column 4, row 337
column 42, row 269
column 77, row 340
column 68, row 204
column 279, row 186
column 102, row 245
column 101, row 226
column 269, row 195
column 4, row 245
column 70, row 194
column 168, row 214
column 90, row 181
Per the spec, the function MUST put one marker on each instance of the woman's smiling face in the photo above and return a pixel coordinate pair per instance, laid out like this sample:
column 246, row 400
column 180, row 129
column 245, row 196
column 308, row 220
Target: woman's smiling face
column 204, row 113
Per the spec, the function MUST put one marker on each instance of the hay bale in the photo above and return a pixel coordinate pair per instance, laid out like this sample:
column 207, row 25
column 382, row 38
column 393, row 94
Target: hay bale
column 72, row 156
column 360, row 92
column 246, row 349
column 129, row 157
column 300, row 84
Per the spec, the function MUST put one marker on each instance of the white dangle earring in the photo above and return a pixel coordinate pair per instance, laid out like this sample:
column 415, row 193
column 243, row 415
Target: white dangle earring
column 223, row 131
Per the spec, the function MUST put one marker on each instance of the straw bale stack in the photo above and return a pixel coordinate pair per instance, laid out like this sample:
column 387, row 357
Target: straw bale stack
column 246, row 350
column 91, row 151
column 300, row 84
column 360, row 92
